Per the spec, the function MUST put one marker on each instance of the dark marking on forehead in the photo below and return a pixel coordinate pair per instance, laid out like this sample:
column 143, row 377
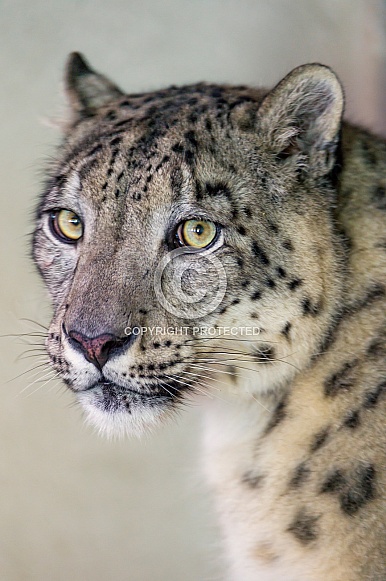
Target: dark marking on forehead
column 319, row 439
column 270, row 283
column 300, row 475
column 352, row 419
column 217, row 189
column 178, row 148
column 164, row 160
column 191, row 138
column 110, row 115
column 304, row 527
column 260, row 254
column 116, row 141
column 95, row 149
column 281, row 272
column 176, row 180
column 342, row 380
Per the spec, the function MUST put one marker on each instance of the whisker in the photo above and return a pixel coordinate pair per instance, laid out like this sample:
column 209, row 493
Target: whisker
column 28, row 371
column 34, row 322
column 36, row 381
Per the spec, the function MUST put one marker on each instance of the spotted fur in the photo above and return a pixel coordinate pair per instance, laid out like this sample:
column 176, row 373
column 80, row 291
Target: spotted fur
column 295, row 446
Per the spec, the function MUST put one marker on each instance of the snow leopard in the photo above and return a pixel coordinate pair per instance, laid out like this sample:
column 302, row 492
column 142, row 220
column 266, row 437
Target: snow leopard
column 228, row 243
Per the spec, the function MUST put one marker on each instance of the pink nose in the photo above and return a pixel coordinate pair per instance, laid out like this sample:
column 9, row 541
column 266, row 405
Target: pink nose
column 96, row 349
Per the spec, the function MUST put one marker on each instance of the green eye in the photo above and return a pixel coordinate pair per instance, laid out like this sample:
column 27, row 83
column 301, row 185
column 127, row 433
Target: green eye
column 196, row 233
column 66, row 225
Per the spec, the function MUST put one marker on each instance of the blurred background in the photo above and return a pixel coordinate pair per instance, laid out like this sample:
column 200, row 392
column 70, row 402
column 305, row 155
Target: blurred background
column 74, row 507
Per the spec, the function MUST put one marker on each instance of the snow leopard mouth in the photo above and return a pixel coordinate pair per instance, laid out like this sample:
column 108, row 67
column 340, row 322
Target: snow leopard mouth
column 116, row 410
column 112, row 397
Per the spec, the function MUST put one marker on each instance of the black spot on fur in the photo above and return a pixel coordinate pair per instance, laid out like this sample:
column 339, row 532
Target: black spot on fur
column 335, row 482
column 352, row 420
column 260, row 254
column 309, row 308
column 110, row 115
column 95, row 149
column 256, row 295
column 265, row 355
column 372, row 398
column 287, row 244
column 245, row 283
column 294, row 284
column 278, row 415
column 377, row 348
column 300, row 475
column 286, row 330
column 281, row 272
column 218, row 189
column 360, row 491
column 342, row 380
column 177, row 148
column 354, row 490
column 115, row 141
column 176, row 180
column 241, row 230
column 304, row 527
column 164, row 160
column 189, row 157
column 319, row 440
column 379, row 197
column 137, row 196
column 272, row 226
column 270, row 283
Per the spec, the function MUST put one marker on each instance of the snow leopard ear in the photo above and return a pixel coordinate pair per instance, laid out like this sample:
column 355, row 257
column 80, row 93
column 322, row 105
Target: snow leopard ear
column 86, row 89
column 303, row 113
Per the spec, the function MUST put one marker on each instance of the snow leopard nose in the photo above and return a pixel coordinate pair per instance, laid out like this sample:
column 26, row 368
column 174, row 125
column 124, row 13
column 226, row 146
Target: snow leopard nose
column 96, row 349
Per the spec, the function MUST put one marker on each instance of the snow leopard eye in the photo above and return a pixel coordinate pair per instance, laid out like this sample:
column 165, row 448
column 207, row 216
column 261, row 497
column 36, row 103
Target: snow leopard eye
column 66, row 226
column 196, row 233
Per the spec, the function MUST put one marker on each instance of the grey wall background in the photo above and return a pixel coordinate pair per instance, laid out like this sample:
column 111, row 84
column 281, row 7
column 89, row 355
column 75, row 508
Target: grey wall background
column 73, row 506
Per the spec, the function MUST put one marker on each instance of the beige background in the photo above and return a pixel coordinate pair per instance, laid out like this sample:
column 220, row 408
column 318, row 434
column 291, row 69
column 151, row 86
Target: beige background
column 74, row 507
